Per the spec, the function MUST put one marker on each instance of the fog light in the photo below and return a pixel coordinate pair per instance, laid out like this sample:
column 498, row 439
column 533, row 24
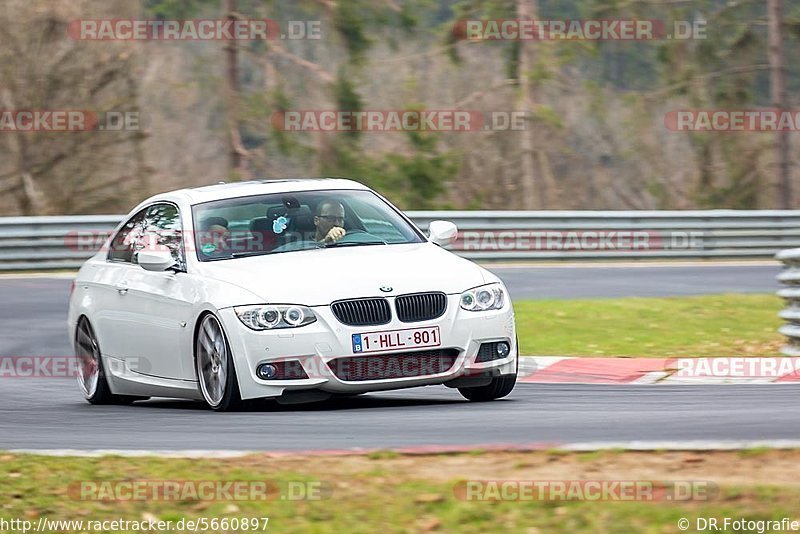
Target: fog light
column 503, row 349
column 266, row 371
column 496, row 350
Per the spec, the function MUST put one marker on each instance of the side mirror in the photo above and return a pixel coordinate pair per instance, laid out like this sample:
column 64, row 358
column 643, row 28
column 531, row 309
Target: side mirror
column 159, row 259
column 442, row 232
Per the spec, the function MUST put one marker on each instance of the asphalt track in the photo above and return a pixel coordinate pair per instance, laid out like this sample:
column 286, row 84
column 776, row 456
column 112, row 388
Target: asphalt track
column 640, row 280
column 50, row 414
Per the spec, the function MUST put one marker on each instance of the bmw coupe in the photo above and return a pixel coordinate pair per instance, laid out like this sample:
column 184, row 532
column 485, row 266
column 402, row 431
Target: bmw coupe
column 297, row 290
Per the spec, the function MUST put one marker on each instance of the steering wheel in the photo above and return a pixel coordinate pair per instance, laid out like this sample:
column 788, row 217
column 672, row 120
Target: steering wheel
column 359, row 237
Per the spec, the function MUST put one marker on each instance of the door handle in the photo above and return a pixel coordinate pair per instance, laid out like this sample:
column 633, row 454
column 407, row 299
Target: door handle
column 121, row 289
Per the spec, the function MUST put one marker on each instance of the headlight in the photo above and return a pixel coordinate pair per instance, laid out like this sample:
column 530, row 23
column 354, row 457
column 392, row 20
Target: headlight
column 488, row 297
column 270, row 317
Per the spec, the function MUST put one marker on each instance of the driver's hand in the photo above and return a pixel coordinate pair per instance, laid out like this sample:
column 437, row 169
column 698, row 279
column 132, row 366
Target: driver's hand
column 334, row 234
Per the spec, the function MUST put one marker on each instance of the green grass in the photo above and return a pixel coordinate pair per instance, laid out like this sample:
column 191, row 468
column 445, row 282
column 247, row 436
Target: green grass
column 713, row 325
column 360, row 500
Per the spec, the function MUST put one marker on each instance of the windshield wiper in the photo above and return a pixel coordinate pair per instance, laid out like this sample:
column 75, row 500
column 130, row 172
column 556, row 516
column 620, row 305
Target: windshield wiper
column 353, row 244
column 245, row 254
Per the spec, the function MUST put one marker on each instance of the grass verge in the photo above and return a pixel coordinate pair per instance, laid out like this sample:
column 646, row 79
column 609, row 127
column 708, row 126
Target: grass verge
column 403, row 493
column 709, row 325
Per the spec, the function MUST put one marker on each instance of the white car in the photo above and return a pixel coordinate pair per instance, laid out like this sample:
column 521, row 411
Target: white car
column 290, row 289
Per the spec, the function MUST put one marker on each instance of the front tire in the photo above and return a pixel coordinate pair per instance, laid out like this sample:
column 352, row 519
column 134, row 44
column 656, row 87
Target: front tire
column 216, row 373
column 499, row 387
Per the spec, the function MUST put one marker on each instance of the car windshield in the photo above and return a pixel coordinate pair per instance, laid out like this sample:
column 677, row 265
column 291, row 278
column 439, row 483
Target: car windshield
column 303, row 220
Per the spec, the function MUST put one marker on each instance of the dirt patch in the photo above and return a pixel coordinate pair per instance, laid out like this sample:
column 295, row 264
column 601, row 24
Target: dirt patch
column 768, row 467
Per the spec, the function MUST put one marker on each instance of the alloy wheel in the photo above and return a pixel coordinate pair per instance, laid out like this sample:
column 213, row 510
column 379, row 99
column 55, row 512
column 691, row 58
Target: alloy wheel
column 212, row 360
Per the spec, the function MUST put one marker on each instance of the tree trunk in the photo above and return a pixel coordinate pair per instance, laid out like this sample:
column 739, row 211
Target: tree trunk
column 138, row 138
column 778, row 93
column 236, row 153
column 532, row 196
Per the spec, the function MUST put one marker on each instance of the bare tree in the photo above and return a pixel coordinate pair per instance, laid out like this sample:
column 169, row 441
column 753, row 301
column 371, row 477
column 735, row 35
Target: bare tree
column 778, row 92
column 532, row 191
column 236, row 152
column 43, row 69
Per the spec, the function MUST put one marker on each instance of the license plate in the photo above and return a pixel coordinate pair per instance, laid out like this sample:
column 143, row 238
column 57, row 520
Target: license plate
column 409, row 338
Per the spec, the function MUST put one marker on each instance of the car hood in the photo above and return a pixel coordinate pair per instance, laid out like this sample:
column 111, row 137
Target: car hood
column 321, row 276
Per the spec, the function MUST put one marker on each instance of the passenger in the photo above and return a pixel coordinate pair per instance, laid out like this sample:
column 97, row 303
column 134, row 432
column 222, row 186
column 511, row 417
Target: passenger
column 214, row 234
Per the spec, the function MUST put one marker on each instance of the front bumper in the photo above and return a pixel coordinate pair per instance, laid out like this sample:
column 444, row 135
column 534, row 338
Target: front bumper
column 326, row 339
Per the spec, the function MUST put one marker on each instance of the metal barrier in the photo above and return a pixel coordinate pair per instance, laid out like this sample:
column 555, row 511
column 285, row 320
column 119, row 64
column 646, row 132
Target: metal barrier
column 576, row 235
column 790, row 276
column 39, row 243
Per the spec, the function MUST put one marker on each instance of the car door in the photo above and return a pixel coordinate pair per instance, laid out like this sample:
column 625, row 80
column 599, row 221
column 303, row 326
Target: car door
column 159, row 304
column 111, row 314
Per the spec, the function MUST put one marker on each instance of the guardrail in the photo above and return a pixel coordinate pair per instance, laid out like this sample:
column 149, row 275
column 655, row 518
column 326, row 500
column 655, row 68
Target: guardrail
column 38, row 243
column 790, row 277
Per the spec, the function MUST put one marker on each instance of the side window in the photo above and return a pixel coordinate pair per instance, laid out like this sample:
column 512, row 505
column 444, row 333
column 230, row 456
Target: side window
column 162, row 227
column 123, row 244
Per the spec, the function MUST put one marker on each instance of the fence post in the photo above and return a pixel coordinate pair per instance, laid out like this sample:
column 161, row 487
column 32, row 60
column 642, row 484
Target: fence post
column 790, row 277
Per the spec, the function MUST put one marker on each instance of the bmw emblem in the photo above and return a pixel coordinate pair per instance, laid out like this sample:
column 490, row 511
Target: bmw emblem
column 386, row 289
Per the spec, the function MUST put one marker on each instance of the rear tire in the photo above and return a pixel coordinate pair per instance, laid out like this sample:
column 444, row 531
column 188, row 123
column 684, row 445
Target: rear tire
column 498, row 388
column 91, row 373
column 216, row 374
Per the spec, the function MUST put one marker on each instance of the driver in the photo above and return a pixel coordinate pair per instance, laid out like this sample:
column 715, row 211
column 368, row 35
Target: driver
column 329, row 222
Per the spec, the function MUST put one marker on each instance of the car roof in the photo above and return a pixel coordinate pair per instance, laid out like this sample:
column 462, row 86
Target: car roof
column 220, row 191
